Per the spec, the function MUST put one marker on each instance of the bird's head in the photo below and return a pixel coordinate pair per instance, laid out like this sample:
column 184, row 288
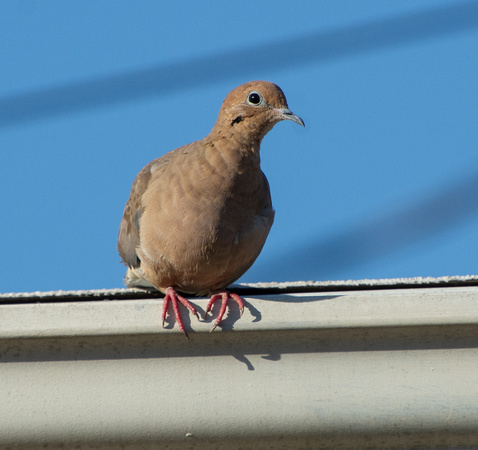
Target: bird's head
column 253, row 109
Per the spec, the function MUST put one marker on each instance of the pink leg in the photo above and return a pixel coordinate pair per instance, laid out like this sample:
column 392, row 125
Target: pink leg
column 173, row 297
column 225, row 296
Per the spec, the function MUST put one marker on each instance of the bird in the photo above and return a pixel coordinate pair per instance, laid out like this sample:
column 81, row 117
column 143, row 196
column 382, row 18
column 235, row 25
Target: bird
column 198, row 217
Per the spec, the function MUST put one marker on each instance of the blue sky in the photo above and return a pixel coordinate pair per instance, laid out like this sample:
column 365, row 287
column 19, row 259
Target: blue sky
column 382, row 182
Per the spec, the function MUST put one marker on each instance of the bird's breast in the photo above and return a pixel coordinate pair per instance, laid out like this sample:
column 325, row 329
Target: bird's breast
column 203, row 227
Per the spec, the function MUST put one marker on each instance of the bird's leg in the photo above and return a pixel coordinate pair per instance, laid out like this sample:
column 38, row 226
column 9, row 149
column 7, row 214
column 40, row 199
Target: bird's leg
column 225, row 295
column 173, row 297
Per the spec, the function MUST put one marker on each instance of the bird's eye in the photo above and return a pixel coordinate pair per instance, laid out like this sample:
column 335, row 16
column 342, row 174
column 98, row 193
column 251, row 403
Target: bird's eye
column 254, row 98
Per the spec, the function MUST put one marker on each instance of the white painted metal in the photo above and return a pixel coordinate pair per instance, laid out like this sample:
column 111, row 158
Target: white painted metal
column 376, row 368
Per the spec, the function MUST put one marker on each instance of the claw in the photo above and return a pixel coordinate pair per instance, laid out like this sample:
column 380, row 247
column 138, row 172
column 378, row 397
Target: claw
column 239, row 302
column 210, row 304
column 173, row 297
column 225, row 296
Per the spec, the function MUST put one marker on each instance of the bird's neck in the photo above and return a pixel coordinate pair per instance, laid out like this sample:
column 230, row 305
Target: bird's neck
column 240, row 131
column 238, row 161
column 237, row 148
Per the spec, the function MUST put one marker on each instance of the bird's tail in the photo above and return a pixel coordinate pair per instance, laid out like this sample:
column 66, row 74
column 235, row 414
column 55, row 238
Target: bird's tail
column 133, row 278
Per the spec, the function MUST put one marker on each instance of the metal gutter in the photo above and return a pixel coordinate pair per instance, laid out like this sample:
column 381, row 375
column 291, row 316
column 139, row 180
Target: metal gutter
column 363, row 368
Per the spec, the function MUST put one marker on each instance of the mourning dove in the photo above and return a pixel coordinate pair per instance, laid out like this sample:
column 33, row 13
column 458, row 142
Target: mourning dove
column 198, row 217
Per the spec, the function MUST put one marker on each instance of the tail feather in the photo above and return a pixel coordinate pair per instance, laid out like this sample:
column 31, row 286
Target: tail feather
column 133, row 278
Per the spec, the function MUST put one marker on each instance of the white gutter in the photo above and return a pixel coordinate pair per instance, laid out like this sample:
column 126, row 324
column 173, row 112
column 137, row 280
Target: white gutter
column 354, row 368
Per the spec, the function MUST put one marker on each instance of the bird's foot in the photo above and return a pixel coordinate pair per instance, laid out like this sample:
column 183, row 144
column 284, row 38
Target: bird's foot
column 225, row 296
column 173, row 297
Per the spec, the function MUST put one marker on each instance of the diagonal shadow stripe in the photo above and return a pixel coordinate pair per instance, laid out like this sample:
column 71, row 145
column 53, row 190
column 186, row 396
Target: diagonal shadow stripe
column 382, row 235
column 165, row 79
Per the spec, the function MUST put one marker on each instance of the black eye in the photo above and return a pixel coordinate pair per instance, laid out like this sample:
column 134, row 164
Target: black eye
column 254, row 98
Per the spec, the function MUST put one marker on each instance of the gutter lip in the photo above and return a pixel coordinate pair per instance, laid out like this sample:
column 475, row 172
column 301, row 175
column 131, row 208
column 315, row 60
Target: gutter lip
column 359, row 309
column 262, row 288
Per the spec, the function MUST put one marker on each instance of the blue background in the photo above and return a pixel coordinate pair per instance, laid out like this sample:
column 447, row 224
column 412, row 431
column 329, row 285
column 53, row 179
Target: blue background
column 382, row 182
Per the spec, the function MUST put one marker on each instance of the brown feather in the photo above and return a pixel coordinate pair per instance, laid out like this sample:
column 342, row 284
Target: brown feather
column 198, row 217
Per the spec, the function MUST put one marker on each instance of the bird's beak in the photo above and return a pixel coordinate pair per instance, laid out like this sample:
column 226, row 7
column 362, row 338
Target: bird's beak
column 287, row 114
